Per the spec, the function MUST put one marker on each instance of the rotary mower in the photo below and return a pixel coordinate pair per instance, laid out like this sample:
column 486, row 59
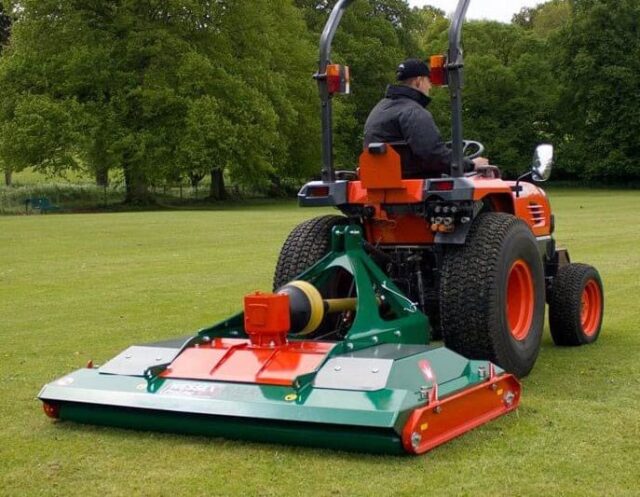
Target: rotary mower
column 339, row 355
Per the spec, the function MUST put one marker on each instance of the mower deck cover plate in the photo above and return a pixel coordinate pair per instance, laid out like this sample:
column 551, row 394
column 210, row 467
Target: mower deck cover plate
column 135, row 360
column 236, row 360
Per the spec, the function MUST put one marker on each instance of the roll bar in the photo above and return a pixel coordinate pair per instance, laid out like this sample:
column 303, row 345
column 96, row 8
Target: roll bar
column 455, row 71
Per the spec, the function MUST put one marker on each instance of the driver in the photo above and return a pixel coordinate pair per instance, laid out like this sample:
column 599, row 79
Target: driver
column 402, row 117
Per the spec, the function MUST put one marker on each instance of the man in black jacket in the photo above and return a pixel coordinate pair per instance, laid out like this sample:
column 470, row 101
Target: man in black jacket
column 402, row 117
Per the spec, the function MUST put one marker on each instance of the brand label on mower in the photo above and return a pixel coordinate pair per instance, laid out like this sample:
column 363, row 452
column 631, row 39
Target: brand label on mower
column 190, row 389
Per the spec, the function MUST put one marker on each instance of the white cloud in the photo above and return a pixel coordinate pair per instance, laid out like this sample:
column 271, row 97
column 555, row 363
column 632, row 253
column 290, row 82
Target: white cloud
column 498, row 10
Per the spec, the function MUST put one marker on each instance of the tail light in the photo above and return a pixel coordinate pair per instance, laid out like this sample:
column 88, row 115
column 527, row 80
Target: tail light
column 338, row 79
column 318, row 191
column 438, row 67
column 441, row 186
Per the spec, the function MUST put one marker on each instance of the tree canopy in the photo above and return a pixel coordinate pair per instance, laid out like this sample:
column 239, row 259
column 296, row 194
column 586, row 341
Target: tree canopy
column 167, row 89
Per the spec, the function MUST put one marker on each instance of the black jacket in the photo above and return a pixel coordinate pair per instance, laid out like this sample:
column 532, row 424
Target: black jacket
column 402, row 117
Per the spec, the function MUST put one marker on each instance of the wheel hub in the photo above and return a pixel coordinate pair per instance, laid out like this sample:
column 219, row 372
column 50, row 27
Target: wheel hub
column 590, row 308
column 520, row 299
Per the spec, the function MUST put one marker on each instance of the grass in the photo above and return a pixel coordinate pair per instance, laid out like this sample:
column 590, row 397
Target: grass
column 75, row 287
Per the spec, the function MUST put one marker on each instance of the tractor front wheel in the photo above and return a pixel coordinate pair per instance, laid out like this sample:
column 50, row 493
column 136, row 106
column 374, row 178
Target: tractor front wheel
column 492, row 294
column 576, row 305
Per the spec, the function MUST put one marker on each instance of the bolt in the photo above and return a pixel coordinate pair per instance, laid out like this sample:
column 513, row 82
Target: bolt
column 482, row 372
column 375, row 370
column 508, row 398
column 397, row 333
column 158, row 359
column 465, row 220
column 454, row 209
column 337, row 368
column 375, row 339
column 494, row 387
column 206, row 339
column 437, row 409
column 127, row 357
column 424, row 392
column 350, row 346
column 437, row 209
column 445, row 210
column 416, row 438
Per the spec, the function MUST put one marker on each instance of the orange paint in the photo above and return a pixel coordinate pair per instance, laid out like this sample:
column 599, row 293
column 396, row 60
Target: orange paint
column 520, row 299
column 266, row 318
column 238, row 360
column 591, row 310
column 381, row 171
column 442, row 420
column 532, row 205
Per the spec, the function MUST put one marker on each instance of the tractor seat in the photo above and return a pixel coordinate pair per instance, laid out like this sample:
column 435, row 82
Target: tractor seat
column 411, row 167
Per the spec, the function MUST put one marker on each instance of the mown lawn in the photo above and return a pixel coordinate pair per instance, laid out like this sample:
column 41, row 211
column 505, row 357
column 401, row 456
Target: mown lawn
column 75, row 287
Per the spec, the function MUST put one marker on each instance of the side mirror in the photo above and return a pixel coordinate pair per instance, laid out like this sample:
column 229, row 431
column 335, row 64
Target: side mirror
column 542, row 163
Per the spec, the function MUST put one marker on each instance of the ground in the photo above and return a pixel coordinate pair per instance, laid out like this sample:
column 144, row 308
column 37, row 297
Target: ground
column 85, row 286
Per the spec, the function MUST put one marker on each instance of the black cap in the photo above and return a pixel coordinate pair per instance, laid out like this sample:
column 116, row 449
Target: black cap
column 412, row 68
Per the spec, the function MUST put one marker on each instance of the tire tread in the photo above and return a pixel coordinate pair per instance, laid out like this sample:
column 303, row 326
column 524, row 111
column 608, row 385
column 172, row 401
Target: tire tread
column 305, row 245
column 565, row 304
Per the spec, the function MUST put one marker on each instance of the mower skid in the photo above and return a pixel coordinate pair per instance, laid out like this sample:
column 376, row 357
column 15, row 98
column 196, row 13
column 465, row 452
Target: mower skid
column 444, row 419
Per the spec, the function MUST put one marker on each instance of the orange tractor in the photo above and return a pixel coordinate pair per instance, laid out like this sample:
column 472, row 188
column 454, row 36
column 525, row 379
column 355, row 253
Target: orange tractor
column 474, row 252
column 339, row 355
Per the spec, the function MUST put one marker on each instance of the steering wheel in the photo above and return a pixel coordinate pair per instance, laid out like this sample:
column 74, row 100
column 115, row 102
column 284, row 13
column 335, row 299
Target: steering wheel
column 468, row 145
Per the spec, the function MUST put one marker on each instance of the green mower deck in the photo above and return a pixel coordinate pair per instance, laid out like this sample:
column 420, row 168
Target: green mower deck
column 382, row 389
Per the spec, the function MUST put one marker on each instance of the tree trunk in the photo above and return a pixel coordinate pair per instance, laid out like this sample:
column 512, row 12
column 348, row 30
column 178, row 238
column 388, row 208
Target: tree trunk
column 102, row 176
column 217, row 191
column 137, row 186
column 8, row 177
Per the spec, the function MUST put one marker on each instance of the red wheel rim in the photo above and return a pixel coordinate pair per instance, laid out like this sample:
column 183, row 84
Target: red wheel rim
column 591, row 308
column 520, row 300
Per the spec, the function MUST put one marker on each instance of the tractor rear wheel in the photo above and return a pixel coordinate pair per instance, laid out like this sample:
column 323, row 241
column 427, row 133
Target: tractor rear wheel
column 492, row 294
column 576, row 304
column 309, row 242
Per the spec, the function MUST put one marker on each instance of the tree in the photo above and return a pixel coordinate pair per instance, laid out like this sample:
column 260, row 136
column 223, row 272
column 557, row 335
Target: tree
column 5, row 32
column 5, row 27
column 546, row 18
column 509, row 95
column 599, row 63
column 128, row 83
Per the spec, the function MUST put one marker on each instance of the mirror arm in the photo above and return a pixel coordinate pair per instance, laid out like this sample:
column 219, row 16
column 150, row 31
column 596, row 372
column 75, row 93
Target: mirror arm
column 525, row 175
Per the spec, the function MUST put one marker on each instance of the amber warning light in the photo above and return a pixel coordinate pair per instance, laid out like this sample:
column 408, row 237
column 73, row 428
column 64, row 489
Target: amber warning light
column 438, row 66
column 338, row 79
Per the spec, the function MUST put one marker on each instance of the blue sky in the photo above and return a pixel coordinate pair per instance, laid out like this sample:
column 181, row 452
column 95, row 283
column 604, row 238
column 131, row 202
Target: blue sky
column 499, row 10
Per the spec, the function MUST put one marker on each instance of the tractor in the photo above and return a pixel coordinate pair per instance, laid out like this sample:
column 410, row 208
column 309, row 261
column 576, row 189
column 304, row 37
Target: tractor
column 474, row 252
column 339, row 354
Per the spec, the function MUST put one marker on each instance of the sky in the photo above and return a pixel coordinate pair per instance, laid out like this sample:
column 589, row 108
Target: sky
column 498, row 10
